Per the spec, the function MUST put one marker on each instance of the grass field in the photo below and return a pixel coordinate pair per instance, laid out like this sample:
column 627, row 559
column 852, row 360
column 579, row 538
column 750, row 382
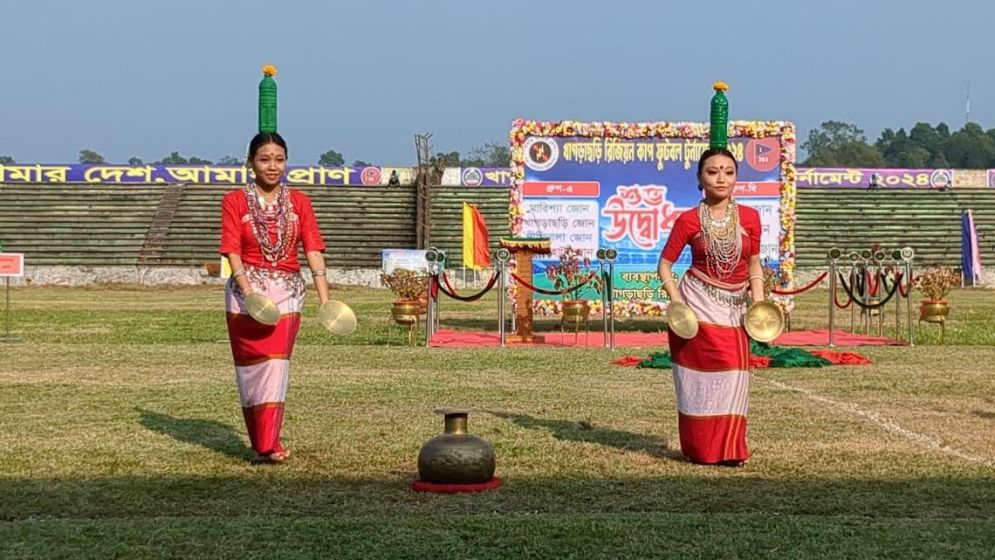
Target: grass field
column 122, row 438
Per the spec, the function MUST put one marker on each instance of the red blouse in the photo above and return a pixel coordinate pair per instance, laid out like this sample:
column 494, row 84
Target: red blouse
column 687, row 228
column 237, row 236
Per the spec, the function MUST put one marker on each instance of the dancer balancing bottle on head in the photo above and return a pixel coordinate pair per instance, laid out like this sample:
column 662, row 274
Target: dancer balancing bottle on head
column 262, row 226
column 711, row 370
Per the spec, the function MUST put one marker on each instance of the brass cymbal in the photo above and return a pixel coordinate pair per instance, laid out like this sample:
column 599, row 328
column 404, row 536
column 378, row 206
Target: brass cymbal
column 682, row 320
column 262, row 309
column 337, row 317
column 764, row 321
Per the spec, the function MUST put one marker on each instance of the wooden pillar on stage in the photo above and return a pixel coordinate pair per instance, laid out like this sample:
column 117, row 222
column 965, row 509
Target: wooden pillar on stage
column 523, row 297
column 524, row 249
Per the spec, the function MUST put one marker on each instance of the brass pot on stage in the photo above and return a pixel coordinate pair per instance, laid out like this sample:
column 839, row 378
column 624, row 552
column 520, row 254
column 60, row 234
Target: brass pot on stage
column 933, row 311
column 576, row 311
column 764, row 321
column 405, row 312
column 455, row 456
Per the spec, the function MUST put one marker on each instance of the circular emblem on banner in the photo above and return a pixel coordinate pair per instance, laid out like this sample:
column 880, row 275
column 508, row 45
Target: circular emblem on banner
column 370, row 176
column 472, row 177
column 763, row 154
column 541, row 153
column 941, row 178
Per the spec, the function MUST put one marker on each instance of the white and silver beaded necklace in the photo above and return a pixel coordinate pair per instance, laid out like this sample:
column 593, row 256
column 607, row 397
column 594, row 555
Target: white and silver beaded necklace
column 722, row 241
column 262, row 214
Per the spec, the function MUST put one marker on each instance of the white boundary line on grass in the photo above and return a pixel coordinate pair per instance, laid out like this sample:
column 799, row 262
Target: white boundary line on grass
column 885, row 424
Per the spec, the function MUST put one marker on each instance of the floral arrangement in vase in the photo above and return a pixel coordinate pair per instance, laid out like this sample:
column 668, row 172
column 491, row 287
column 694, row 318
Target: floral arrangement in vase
column 935, row 282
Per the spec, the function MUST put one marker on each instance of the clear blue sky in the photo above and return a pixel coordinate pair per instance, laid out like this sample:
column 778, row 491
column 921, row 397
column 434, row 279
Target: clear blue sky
column 144, row 78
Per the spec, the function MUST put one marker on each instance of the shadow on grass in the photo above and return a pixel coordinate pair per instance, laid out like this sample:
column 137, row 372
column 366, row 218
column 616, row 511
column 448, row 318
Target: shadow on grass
column 296, row 490
column 584, row 432
column 206, row 433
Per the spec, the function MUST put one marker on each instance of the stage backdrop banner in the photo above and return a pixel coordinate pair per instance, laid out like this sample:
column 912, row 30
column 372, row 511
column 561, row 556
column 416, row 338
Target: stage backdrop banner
column 599, row 185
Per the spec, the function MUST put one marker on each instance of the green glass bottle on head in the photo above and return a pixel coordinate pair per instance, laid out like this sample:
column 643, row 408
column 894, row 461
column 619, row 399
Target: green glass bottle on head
column 267, row 100
column 719, row 117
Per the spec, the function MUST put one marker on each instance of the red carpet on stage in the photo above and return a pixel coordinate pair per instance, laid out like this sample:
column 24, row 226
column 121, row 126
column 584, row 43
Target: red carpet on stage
column 445, row 338
column 840, row 338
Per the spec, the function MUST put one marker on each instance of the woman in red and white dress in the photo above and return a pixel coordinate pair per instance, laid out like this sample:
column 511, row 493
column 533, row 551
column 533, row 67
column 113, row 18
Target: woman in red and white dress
column 261, row 228
column 711, row 371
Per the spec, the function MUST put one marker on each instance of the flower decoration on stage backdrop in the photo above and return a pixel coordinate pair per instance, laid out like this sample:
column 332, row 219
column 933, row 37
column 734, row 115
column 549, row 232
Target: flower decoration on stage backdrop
column 574, row 269
column 622, row 308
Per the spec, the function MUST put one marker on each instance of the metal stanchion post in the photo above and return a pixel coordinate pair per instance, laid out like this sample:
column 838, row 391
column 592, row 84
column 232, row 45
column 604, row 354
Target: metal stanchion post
column 853, row 288
column 908, row 301
column 834, row 254
column 898, row 309
column 503, row 255
column 430, row 310
column 604, row 297
column 611, row 255
column 879, row 259
column 865, row 298
column 441, row 270
column 501, row 304
column 896, row 256
column 435, row 325
column 907, row 255
column 436, row 260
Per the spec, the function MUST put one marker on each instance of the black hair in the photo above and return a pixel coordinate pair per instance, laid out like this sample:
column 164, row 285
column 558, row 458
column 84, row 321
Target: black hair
column 714, row 152
column 263, row 138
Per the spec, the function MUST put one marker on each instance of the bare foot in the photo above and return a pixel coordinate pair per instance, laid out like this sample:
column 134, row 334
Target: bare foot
column 271, row 458
column 279, row 456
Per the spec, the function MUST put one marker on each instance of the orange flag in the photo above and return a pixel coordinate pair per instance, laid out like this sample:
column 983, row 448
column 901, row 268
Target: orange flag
column 476, row 254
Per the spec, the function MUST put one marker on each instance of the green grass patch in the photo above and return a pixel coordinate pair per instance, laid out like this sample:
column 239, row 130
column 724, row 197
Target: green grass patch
column 122, row 437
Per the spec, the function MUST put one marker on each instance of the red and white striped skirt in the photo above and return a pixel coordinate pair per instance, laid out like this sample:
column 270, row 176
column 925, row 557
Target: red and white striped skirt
column 711, row 375
column 262, row 353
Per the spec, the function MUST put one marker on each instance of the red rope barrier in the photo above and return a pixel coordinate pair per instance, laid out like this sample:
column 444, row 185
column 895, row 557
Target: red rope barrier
column 862, row 305
column 451, row 292
column 836, row 300
column 528, row 286
column 872, row 283
column 902, row 290
column 806, row 288
column 580, row 285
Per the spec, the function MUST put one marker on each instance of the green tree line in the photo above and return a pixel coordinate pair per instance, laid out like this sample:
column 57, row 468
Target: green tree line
column 840, row 144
